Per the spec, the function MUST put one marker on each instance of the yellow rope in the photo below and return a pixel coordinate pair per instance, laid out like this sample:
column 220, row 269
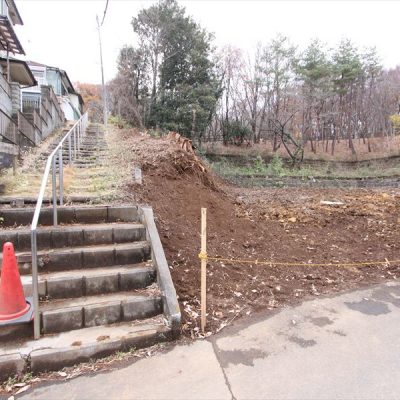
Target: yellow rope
column 204, row 256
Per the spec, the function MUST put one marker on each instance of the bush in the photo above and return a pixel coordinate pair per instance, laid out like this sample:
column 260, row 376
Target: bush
column 276, row 167
column 259, row 165
column 395, row 120
column 236, row 132
column 117, row 120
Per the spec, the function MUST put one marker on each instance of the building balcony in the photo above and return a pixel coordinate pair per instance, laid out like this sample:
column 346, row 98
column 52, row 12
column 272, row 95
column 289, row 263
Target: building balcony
column 8, row 39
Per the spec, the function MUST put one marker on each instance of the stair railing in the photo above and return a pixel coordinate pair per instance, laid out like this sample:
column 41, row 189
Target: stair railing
column 73, row 137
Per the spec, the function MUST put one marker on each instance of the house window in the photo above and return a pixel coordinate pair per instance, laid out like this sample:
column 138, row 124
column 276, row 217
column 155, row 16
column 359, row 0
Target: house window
column 40, row 76
column 4, row 8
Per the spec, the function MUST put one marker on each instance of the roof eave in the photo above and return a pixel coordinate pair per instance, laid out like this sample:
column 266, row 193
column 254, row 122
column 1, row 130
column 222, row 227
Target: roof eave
column 26, row 67
column 18, row 19
column 8, row 38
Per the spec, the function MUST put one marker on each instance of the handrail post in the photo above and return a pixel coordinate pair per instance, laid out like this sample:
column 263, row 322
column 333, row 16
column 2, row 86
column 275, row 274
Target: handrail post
column 75, row 143
column 54, row 189
column 79, row 137
column 69, row 151
column 35, row 286
column 51, row 163
column 61, row 175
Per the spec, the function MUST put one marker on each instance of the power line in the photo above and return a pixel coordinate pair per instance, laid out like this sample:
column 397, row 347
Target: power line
column 105, row 12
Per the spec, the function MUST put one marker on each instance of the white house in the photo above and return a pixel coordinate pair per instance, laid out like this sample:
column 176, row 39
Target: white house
column 70, row 101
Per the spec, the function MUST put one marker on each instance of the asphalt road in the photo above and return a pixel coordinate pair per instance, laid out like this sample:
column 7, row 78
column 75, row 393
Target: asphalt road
column 343, row 347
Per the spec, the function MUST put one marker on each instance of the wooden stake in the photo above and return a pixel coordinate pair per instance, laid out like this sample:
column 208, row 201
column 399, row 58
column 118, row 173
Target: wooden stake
column 203, row 268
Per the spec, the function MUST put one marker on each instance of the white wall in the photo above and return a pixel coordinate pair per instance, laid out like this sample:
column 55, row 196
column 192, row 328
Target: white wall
column 75, row 101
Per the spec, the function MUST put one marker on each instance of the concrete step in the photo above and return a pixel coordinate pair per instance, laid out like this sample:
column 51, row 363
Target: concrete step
column 56, row 351
column 85, row 146
column 86, row 180
column 84, row 312
column 64, row 259
column 95, row 174
column 92, row 150
column 88, row 158
column 90, row 282
column 13, row 217
column 94, row 155
column 94, row 141
column 82, row 166
column 82, row 154
column 92, row 147
column 88, row 189
column 19, row 201
column 75, row 235
column 88, row 154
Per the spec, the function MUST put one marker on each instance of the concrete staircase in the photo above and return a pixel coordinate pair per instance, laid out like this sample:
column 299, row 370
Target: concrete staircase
column 104, row 282
column 88, row 178
column 92, row 150
column 103, row 269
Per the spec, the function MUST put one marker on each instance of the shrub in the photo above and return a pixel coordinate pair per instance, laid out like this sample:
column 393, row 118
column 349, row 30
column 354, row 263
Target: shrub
column 395, row 120
column 259, row 165
column 117, row 120
column 276, row 167
column 236, row 132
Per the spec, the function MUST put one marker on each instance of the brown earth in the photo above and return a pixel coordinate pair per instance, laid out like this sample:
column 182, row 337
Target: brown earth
column 278, row 225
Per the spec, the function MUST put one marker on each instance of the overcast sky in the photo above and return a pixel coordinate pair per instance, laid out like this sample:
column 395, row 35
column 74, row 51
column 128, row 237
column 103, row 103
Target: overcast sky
column 62, row 33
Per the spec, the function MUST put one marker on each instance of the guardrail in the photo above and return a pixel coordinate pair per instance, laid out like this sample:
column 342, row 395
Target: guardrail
column 73, row 137
column 29, row 103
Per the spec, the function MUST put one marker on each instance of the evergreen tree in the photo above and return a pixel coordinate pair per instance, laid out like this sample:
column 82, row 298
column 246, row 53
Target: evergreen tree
column 184, row 86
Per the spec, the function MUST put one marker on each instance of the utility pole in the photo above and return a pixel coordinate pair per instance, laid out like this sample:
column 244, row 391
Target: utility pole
column 102, row 76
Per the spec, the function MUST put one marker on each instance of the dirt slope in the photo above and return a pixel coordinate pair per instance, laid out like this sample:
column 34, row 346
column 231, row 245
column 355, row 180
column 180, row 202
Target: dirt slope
column 288, row 225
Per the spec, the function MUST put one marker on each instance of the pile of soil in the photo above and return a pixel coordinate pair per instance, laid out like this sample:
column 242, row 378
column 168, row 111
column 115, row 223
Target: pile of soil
column 281, row 225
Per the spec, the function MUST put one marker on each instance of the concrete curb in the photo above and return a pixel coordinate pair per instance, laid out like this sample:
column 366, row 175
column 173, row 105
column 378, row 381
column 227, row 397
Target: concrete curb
column 171, row 306
column 51, row 359
column 11, row 365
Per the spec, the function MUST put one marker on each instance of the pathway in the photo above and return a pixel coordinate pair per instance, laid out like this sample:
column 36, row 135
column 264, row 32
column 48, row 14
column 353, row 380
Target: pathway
column 342, row 347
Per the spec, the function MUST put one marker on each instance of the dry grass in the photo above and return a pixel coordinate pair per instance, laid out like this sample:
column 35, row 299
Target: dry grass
column 100, row 183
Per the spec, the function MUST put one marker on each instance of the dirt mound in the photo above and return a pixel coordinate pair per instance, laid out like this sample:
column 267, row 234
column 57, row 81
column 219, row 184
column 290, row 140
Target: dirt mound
column 281, row 225
column 168, row 158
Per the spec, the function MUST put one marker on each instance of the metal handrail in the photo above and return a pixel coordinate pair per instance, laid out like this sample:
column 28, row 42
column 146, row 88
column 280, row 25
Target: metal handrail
column 73, row 136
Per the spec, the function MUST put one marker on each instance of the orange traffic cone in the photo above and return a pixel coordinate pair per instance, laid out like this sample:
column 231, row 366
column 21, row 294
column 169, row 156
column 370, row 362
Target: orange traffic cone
column 12, row 300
